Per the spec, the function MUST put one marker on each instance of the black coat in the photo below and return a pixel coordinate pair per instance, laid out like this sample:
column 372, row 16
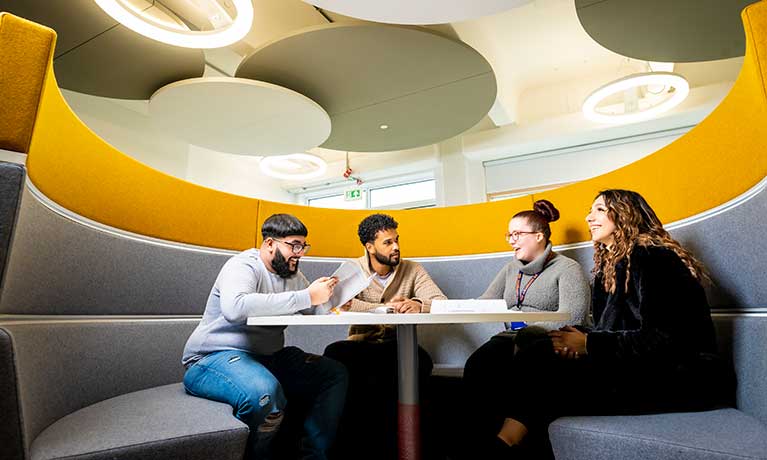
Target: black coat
column 653, row 346
column 663, row 317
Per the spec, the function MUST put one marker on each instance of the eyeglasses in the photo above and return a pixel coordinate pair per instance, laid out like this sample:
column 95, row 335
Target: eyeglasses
column 514, row 236
column 297, row 248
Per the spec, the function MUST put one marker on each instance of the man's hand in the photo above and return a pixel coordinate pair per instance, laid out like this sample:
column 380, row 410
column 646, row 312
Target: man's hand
column 403, row 305
column 569, row 342
column 321, row 289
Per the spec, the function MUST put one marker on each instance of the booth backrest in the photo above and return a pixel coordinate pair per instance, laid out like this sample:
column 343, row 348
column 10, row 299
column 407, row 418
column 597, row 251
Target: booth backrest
column 11, row 182
column 744, row 340
column 25, row 50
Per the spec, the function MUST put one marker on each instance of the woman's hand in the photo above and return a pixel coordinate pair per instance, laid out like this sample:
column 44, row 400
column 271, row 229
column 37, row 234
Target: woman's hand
column 569, row 342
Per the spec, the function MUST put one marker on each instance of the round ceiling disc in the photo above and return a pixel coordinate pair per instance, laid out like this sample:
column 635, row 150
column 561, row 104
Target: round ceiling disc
column 385, row 87
column 666, row 31
column 416, row 11
column 97, row 56
column 236, row 115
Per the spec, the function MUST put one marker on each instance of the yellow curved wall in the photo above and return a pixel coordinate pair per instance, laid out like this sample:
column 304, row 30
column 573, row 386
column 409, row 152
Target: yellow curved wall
column 718, row 160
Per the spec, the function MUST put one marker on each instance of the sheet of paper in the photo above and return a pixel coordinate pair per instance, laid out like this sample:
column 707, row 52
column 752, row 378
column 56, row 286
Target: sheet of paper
column 351, row 281
column 469, row 306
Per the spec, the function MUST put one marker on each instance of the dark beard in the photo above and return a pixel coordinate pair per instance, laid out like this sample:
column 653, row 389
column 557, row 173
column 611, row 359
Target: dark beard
column 281, row 266
column 386, row 260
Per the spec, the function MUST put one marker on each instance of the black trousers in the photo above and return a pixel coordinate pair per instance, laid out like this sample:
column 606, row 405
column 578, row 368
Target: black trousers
column 536, row 386
column 368, row 427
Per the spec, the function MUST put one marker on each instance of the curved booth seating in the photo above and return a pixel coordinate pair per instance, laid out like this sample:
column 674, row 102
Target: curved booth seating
column 67, row 395
column 108, row 387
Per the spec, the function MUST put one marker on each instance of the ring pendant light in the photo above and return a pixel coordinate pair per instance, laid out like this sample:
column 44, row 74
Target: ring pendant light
column 126, row 14
column 680, row 86
column 280, row 166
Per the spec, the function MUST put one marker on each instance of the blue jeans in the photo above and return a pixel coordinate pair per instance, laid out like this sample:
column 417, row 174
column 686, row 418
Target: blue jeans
column 259, row 387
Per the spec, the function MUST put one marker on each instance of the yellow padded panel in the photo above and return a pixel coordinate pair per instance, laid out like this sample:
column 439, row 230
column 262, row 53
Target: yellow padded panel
column 25, row 50
column 716, row 161
column 471, row 229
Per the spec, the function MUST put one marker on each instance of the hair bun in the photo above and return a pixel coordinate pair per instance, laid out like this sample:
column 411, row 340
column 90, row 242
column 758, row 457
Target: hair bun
column 546, row 209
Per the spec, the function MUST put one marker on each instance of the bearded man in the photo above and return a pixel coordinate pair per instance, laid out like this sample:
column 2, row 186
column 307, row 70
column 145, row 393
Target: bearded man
column 249, row 367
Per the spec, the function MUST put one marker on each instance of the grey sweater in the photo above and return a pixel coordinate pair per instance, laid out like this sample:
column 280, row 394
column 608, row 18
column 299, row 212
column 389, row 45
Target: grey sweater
column 245, row 287
column 561, row 286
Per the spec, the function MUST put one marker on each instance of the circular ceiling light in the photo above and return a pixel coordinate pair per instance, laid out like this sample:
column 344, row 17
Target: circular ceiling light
column 297, row 166
column 124, row 12
column 677, row 90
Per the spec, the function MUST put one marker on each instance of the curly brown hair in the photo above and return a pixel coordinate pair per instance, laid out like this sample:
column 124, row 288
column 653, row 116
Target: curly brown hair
column 635, row 224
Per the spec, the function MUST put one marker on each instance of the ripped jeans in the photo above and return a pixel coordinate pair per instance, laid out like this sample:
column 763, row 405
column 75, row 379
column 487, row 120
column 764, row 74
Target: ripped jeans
column 258, row 387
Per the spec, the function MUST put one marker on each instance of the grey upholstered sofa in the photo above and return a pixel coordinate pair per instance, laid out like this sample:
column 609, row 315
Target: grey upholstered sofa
column 106, row 389
column 730, row 433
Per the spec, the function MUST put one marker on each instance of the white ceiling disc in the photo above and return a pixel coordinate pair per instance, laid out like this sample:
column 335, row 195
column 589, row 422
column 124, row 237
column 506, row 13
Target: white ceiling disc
column 416, row 11
column 239, row 115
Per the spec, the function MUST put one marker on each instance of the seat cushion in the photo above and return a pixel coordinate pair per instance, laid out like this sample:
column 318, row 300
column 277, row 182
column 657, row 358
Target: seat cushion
column 717, row 434
column 157, row 423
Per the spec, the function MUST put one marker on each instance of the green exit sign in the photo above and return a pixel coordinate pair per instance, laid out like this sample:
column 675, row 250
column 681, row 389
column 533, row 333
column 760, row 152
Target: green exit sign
column 353, row 194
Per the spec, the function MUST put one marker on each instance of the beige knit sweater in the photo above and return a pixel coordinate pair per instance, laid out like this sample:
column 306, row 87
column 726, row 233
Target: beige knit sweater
column 409, row 280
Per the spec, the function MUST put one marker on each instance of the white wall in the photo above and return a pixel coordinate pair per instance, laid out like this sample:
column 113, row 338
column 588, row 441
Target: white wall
column 13, row 157
column 231, row 173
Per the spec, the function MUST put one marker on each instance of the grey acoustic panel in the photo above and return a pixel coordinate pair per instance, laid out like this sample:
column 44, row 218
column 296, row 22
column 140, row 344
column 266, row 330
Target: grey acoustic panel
column 423, row 86
column 11, row 437
column 122, row 64
column 666, row 31
column 11, row 183
column 65, row 366
column 75, row 21
column 95, row 55
column 59, row 267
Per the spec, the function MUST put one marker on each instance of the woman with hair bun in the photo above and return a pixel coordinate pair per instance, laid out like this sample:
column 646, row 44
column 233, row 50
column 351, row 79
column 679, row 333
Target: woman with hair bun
column 536, row 279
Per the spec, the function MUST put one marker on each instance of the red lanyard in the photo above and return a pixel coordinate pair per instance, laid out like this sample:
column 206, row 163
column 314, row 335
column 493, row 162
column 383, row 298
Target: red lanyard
column 522, row 293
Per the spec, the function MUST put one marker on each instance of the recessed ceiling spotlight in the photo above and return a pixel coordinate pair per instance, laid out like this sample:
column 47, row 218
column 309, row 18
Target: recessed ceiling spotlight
column 384, row 126
column 127, row 14
column 678, row 89
column 297, row 166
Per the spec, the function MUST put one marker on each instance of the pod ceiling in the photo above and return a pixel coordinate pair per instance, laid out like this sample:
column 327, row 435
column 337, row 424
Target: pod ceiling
column 666, row 30
column 416, row 11
column 384, row 87
column 96, row 55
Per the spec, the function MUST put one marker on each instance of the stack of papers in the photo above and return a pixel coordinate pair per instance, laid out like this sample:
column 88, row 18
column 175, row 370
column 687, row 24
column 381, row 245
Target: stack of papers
column 469, row 306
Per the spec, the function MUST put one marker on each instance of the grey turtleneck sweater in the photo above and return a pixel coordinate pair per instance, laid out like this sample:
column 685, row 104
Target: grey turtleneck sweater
column 561, row 286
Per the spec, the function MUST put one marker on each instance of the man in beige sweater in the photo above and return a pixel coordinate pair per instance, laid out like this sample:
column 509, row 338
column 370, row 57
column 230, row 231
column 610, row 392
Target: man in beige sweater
column 370, row 353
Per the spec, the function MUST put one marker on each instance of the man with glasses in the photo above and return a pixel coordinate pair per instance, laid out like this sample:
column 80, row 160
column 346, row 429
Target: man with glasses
column 248, row 367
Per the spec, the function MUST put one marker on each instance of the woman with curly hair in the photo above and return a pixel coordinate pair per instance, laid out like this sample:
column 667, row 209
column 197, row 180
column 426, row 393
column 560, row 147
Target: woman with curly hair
column 652, row 347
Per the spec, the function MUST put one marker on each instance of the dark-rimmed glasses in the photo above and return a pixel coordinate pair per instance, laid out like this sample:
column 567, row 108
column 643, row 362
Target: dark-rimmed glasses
column 297, row 248
column 513, row 237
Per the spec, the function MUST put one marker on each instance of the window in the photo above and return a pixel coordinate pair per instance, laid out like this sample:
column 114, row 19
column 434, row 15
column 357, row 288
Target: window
column 338, row 201
column 405, row 196
column 418, row 192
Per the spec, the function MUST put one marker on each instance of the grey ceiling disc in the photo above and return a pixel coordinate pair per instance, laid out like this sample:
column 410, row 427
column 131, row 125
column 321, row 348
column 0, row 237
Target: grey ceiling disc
column 384, row 87
column 666, row 30
column 95, row 55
